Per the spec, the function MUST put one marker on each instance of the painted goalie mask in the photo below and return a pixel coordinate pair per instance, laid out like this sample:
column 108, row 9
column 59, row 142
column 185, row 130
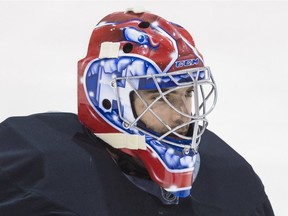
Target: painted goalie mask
column 143, row 88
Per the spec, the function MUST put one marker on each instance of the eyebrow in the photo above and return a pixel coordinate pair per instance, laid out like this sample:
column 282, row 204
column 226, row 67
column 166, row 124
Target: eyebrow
column 153, row 91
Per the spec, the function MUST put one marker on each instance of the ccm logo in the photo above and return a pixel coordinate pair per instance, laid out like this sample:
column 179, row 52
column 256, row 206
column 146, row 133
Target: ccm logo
column 187, row 62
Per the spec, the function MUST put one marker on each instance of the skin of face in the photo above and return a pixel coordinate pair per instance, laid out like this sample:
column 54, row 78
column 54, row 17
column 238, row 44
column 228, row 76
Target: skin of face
column 181, row 100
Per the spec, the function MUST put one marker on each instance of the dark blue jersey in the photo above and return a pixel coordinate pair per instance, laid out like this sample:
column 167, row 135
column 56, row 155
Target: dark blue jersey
column 50, row 165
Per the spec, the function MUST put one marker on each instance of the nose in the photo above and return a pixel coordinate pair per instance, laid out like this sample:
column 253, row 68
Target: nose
column 183, row 105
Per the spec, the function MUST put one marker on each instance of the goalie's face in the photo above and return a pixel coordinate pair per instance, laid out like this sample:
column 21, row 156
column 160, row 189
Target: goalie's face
column 165, row 110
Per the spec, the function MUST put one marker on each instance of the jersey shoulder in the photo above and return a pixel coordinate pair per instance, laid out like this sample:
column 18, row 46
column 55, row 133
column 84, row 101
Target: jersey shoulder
column 227, row 180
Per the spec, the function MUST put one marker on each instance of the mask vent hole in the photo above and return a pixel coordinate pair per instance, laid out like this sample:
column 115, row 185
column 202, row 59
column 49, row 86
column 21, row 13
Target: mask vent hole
column 127, row 48
column 144, row 24
column 106, row 104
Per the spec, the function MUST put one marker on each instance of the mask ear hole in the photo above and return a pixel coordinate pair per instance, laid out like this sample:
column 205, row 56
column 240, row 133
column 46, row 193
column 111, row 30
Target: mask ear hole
column 127, row 48
column 144, row 24
column 106, row 104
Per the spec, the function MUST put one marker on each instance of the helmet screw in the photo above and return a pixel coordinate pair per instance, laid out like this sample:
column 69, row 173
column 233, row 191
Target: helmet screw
column 125, row 125
column 113, row 83
column 186, row 150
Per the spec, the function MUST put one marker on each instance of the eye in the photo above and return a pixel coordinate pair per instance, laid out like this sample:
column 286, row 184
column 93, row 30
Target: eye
column 154, row 97
column 132, row 34
column 189, row 92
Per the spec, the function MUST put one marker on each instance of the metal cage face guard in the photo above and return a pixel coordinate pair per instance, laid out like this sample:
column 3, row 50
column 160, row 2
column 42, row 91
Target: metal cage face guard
column 203, row 101
column 130, row 53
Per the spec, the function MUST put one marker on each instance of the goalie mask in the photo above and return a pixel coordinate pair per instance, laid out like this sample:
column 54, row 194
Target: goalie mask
column 143, row 88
